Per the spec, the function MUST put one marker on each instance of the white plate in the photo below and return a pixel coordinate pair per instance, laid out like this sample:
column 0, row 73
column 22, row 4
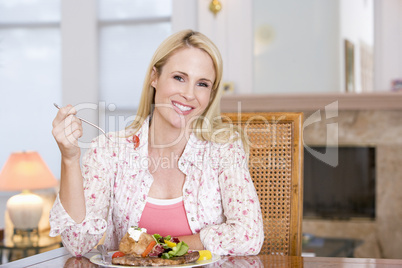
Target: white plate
column 97, row 259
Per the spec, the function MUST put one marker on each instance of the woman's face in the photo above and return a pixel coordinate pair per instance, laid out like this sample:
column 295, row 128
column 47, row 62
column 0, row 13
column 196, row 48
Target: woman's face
column 183, row 88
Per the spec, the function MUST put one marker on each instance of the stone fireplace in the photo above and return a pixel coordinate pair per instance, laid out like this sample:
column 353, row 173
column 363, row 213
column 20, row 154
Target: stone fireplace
column 383, row 130
column 343, row 190
column 373, row 120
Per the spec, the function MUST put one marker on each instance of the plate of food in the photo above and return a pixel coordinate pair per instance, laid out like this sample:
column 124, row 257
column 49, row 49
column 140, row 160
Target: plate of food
column 139, row 249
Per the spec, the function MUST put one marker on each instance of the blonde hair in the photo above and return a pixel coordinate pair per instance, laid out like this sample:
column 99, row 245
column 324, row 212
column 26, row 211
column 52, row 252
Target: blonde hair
column 209, row 125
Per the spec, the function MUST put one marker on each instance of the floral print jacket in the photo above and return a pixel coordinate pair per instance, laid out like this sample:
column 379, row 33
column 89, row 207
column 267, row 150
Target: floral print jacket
column 218, row 194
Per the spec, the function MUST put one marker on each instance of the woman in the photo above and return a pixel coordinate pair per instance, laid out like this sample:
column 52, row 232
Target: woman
column 176, row 170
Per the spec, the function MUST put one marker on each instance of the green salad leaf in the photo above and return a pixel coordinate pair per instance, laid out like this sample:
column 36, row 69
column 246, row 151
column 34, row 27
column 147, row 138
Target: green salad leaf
column 157, row 238
column 160, row 239
column 180, row 249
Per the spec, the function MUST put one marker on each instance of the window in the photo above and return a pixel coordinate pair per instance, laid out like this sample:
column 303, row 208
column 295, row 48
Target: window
column 129, row 33
column 33, row 47
column 29, row 76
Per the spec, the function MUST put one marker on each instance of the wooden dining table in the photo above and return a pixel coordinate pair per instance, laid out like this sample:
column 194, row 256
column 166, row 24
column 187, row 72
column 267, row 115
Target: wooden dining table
column 62, row 258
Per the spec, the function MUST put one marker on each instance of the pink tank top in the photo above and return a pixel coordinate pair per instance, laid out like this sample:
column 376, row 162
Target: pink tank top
column 165, row 217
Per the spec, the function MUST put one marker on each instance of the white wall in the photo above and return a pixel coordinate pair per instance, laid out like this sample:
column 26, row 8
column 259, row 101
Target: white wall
column 184, row 15
column 299, row 46
column 357, row 26
column 296, row 46
column 231, row 31
column 388, row 43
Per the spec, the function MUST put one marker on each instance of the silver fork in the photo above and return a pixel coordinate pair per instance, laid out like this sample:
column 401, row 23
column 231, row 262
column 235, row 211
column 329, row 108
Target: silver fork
column 86, row 121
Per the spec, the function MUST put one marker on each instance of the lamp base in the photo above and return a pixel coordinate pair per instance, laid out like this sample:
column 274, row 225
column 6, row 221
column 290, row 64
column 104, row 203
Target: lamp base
column 25, row 210
column 25, row 236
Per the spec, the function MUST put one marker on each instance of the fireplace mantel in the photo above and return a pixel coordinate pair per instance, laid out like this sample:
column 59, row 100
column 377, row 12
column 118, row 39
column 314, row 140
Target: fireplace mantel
column 311, row 102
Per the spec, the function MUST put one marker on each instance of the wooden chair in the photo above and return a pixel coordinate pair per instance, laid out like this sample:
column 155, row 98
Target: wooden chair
column 276, row 164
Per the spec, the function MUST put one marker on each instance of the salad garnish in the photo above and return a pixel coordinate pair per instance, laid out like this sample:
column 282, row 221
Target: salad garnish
column 173, row 247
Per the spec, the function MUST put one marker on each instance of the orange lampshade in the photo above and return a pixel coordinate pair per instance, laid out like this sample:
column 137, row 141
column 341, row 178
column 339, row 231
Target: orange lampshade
column 26, row 171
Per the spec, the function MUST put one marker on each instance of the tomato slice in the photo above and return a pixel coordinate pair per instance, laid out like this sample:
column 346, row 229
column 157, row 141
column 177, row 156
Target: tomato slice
column 118, row 254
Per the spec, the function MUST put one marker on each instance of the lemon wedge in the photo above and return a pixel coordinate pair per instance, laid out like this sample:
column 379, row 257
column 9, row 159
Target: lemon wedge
column 204, row 255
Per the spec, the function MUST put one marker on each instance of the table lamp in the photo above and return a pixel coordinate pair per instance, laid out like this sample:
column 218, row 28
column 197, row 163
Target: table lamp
column 25, row 171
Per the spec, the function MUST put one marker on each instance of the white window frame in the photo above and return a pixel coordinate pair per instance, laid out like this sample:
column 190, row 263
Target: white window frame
column 79, row 31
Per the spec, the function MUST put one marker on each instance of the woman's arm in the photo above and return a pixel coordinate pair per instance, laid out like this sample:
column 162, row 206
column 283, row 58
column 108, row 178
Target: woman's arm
column 79, row 238
column 71, row 190
column 242, row 233
column 193, row 241
column 80, row 210
column 66, row 131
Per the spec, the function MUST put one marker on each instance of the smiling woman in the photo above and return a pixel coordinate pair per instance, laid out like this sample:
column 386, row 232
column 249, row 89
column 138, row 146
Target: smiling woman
column 184, row 84
column 184, row 159
column 168, row 49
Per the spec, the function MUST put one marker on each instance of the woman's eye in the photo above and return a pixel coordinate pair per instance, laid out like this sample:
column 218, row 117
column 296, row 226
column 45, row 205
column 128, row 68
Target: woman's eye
column 178, row 78
column 203, row 84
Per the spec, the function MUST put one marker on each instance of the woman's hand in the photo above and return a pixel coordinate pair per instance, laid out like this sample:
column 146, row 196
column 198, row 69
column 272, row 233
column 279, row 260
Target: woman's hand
column 66, row 131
